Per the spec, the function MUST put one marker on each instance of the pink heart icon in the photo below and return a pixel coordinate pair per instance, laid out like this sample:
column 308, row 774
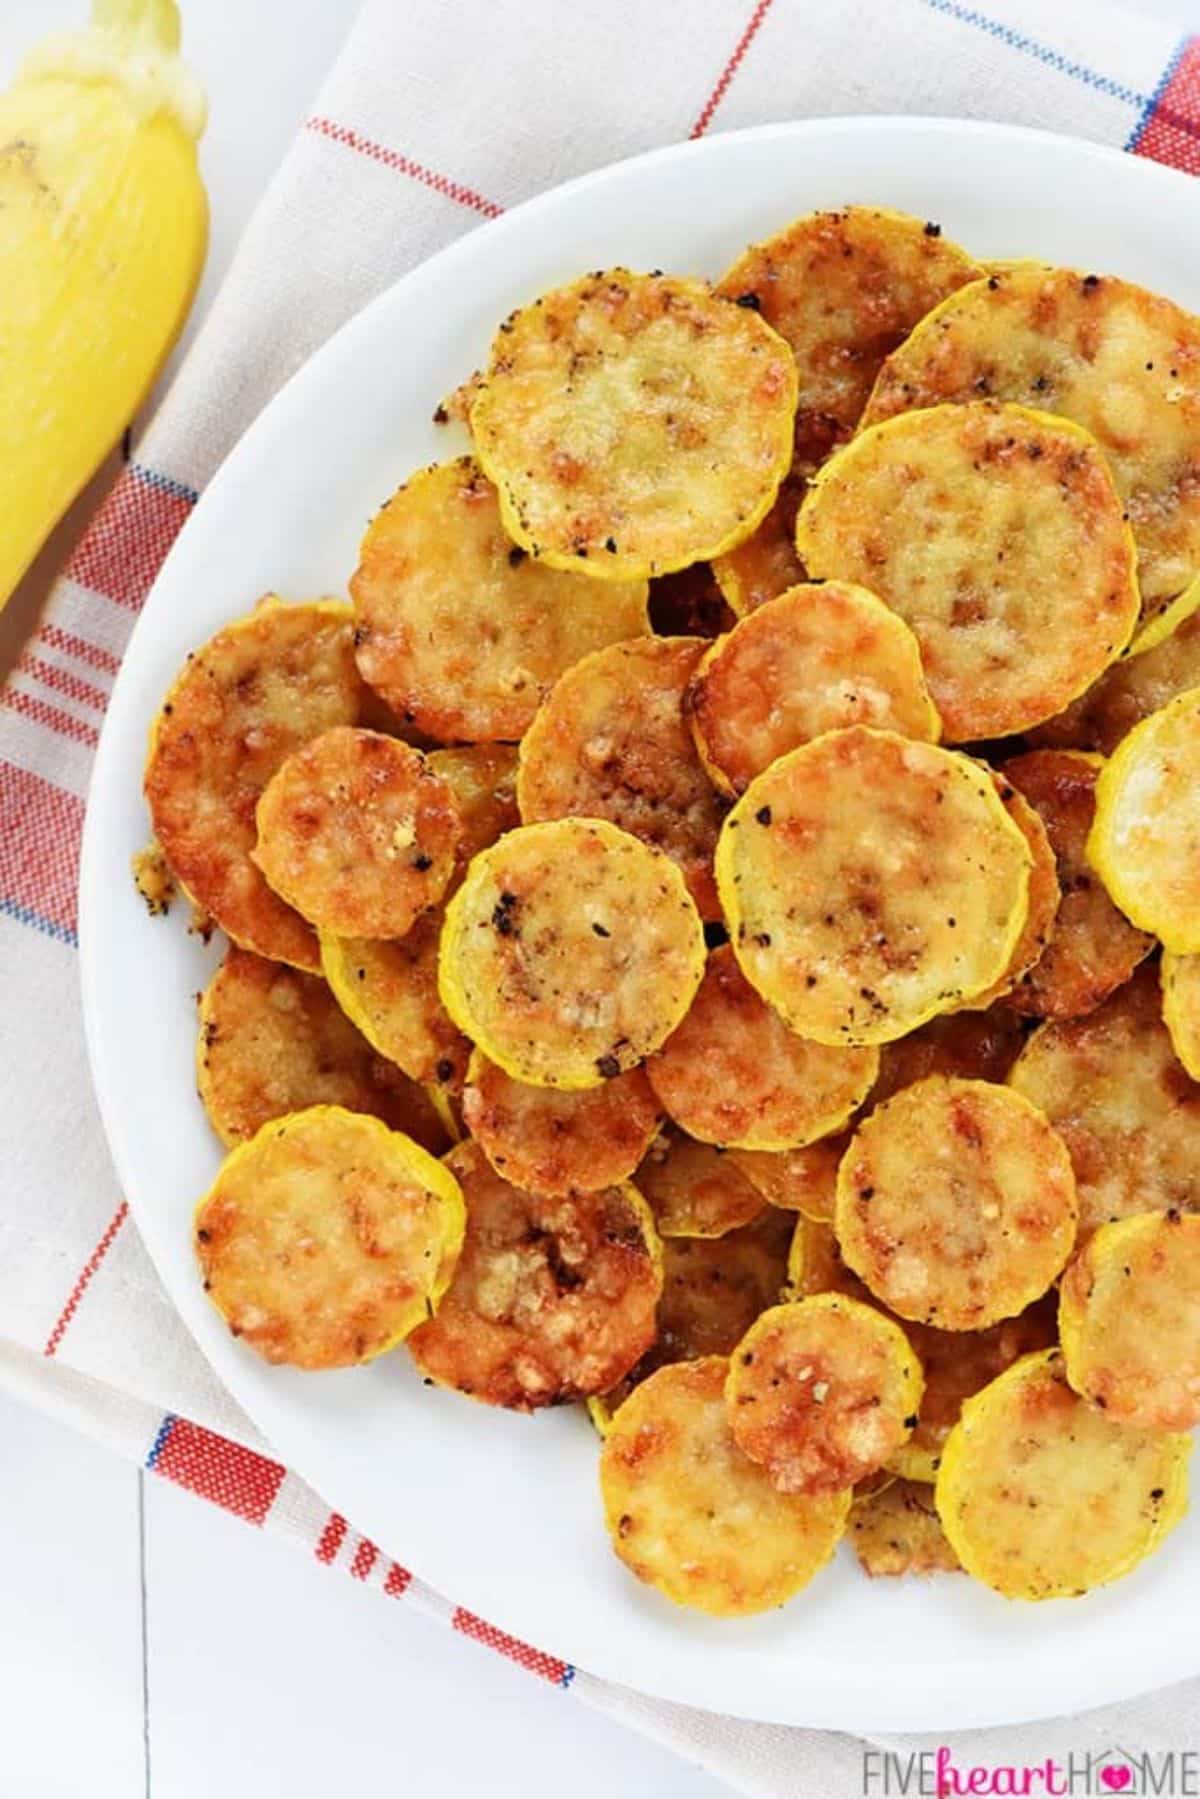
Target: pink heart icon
column 1115, row 1779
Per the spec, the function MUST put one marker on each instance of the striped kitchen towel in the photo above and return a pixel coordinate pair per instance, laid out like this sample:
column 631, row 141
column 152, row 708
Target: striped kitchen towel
column 438, row 115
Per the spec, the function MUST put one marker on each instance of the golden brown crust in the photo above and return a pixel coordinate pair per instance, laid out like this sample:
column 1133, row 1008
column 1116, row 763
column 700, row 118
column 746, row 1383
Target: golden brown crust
column 557, row 1143
column 1127, row 693
column 691, row 1515
column 956, row 1203
column 821, row 1391
column 695, row 1189
column 977, row 1046
column 870, row 882
column 733, row 1074
column 959, row 1363
column 977, row 523
column 570, row 952
column 844, row 288
column 1122, row 362
column 765, row 563
column 552, row 1299
column 715, row 1287
column 1130, row 1323
column 326, row 1237
column 596, row 387
column 815, row 659
column 1043, row 1497
column 153, row 880
column 241, row 704
column 1093, row 949
column 815, row 1264
column 390, row 992
column 713, row 1290
column 461, row 632
column 797, row 1180
column 273, row 1040
column 483, row 779
column 390, row 989
column 612, row 741
column 897, row 1531
column 357, row 833
column 1127, row 1110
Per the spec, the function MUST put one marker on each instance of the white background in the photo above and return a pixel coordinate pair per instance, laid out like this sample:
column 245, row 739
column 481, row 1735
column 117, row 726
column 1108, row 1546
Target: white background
column 150, row 1644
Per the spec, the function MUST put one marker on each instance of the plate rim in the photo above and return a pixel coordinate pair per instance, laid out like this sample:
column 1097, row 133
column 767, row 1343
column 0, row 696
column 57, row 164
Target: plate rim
column 1107, row 1677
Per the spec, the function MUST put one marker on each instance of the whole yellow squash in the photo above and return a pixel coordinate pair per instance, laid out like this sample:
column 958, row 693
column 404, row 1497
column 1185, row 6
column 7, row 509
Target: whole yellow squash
column 103, row 229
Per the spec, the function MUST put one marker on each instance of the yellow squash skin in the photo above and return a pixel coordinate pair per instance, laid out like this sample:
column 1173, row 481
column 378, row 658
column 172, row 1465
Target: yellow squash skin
column 103, row 229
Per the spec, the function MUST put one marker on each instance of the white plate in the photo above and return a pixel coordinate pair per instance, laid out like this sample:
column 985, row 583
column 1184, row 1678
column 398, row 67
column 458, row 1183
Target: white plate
column 501, row 1512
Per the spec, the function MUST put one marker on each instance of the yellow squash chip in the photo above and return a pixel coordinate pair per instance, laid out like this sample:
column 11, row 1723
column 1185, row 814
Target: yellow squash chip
column 766, row 564
column 956, row 1203
column 734, row 1074
column 815, row 1264
column 1111, row 1085
column 254, row 693
column 688, row 1513
column 897, row 1531
column 1127, row 693
column 713, row 1290
column 957, row 1364
column 978, row 524
column 844, row 288
column 1093, row 950
column 273, row 1040
column 357, row 833
column 815, row 659
column 796, row 1180
column 612, row 741
column 1145, row 841
column 327, row 1237
column 634, row 423
column 483, row 779
column 977, row 1046
column 552, row 1299
column 461, row 632
column 390, row 992
column 1121, row 362
column 869, row 882
column 1045, row 896
column 558, row 1143
column 570, row 952
column 695, row 1189
column 821, row 1392
column 1130, row 1321
column 390, row 989
column 1043, row 1497
column 1181, row 1008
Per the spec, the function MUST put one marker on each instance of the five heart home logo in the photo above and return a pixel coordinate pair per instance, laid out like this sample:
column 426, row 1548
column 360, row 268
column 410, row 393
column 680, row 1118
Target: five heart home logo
column 1116, row 1773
